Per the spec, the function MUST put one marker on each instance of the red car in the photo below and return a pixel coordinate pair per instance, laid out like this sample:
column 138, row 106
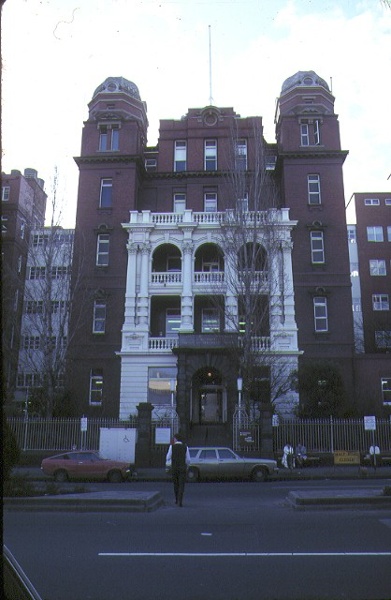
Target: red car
column 85, row 464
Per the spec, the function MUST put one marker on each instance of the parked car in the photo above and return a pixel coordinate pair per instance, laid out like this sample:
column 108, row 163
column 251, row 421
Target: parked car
column 85, row 465
column 223, row 463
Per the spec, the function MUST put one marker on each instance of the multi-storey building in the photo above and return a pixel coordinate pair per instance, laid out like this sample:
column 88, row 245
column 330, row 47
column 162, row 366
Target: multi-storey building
column 373, row 330
column 23, row 205
column 44, row 327
column 166, row 232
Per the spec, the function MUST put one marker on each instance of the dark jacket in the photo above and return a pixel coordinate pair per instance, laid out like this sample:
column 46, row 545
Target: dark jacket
column 178, row 460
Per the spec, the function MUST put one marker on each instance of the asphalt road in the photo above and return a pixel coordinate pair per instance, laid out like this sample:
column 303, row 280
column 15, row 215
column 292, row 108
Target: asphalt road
column 230, row 541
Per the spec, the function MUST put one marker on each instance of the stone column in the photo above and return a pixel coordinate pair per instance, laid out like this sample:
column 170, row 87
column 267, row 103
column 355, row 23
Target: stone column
column 187, row 295
column 144, row 285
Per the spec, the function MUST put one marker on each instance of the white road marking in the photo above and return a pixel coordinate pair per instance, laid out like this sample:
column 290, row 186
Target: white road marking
column 207, row 534
column 242, row 554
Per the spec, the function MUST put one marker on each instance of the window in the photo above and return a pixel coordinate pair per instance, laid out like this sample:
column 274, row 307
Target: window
column 375, row 233
column 34, row 307
column 316, row 133
column 389, row 233
column 5, row 193
column 173, row 322
column 40, row 239
column 4, row 224
column 383, row 339
column 96, row 386
column 102, row 250
column 210, row 154
column 377, row 267
column 387, row 201
column 371, row 201
column 29, row 380
column 352, row 238
column 210, row 202
column 179, row 202
column 31, row 342
column 313, row 189
column 241, row 155
column 305, row 134
column 317, row 247
column 320, row 314
column 37, row 272
column 59, row 272
column 20, row 264
column 380, row 302
column 242, row 204
column 310, row 133
column 22, row 229
column 386, row 390
column 108, row 137
column 150, row 164
column 58, row 306
column 106, row 193
column 180, row 156
column 161, row 385
column 99, row 317
column 210, row 320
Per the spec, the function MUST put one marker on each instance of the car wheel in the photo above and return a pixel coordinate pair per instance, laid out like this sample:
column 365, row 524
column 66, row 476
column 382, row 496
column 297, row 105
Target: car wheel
column 61, row 476
column 115, row 477
column 259, row 474
column 193, row 475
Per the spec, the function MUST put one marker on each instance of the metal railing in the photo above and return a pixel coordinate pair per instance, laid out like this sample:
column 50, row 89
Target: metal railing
column 318, row 435
column 41, row 434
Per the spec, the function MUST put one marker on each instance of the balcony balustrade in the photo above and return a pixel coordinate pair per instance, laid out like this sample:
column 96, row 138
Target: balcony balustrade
column 162, row 344
column 166, row 278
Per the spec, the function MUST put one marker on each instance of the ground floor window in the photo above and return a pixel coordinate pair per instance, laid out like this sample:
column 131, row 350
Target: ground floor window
column 162, row 385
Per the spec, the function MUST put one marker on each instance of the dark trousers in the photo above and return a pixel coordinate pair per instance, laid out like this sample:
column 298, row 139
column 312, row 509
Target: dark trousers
column 179, row 480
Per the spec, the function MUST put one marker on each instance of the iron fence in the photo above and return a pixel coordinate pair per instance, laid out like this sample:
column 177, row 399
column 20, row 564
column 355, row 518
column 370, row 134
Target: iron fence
column 332, row 435
column 40, row 434
column 318, row 435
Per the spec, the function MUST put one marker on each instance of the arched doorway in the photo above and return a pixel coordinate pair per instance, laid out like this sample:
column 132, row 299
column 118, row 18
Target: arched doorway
column 208, row 404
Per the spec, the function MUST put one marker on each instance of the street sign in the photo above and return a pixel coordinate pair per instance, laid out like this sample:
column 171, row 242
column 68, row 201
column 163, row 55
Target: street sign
column 370, row 423
column 83, row 424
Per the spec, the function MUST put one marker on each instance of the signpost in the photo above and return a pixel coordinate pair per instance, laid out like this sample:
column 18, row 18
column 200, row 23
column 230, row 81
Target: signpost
column 83, row 430
column 370, row 425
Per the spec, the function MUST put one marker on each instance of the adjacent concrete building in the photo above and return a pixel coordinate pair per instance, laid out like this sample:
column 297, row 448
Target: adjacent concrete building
column 23, row 205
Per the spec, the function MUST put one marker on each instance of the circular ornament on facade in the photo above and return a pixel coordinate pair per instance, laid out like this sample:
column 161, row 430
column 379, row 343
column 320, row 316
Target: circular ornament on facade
column 210, row 119
column 308, row 81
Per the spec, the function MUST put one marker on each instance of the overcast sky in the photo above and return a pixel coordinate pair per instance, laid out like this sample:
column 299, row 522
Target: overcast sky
column 56, row 52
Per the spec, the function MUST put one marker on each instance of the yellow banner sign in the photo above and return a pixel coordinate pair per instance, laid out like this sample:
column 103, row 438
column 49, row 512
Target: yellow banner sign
column 346, row 458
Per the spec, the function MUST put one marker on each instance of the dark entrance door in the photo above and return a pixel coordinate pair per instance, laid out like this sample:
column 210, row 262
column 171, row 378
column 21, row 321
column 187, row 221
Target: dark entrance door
column 210, row 404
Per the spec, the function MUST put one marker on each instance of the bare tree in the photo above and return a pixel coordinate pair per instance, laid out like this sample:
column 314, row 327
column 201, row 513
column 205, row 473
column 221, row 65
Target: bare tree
column 47, row 305
column 254, row 240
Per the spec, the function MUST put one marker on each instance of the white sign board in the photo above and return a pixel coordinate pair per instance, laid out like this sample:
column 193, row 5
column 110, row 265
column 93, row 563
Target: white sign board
column 118, row 443
column 83, row 424
column 162, row 435
column 370, row 423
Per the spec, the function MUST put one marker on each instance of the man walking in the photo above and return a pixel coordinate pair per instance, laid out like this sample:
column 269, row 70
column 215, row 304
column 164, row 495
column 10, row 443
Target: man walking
column 179, row 457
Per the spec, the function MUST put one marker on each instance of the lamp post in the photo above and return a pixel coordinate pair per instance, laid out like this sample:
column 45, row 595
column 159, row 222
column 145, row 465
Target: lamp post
column 172, row 390
column 240, row 387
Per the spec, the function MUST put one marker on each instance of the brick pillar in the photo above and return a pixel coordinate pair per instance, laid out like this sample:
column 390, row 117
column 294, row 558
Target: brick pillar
column 266, row 421
column 144, row 435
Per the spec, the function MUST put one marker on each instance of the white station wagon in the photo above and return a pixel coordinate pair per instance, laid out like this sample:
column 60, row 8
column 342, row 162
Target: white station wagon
column 223, row 463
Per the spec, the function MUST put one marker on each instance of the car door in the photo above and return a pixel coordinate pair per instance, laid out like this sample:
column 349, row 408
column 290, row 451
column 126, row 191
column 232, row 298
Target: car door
column 208, row 463
column 89, row 466
column 230, row 465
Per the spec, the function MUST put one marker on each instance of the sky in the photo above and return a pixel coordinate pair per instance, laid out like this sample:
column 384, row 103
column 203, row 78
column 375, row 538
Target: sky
column 55, row 53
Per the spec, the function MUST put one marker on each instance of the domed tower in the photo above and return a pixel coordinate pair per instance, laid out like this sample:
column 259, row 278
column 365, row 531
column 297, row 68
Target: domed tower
column 111, row 166
column 310, row 163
